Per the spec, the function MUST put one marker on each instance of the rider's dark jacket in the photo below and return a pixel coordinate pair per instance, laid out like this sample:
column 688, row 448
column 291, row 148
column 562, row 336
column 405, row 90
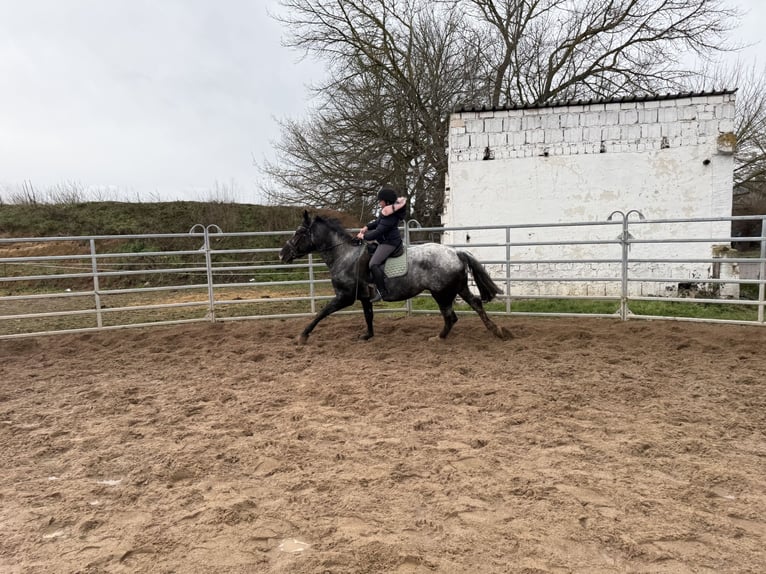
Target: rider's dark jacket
column 385, row 229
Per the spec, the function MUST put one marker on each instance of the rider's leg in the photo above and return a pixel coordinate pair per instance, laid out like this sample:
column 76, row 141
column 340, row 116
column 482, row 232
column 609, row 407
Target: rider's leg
column 379, row 276
column 377, row 261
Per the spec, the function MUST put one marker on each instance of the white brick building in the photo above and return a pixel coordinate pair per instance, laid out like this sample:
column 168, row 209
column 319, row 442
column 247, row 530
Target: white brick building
column 667, row 156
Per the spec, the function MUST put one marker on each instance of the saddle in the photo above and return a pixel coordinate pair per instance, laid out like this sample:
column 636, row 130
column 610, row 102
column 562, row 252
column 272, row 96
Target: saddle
column 396, row 263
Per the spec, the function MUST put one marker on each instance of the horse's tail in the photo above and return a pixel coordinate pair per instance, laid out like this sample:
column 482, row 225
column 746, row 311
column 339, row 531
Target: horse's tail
column 487, row 288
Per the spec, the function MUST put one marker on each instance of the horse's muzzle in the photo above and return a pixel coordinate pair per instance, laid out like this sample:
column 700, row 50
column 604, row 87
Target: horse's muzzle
column 287, row 254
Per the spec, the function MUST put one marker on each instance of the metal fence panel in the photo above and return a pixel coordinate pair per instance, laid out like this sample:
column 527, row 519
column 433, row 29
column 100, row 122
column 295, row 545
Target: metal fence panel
column 95, row 283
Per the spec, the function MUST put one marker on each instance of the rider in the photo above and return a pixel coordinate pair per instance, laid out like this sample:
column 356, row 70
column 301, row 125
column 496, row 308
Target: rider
column 384, row 230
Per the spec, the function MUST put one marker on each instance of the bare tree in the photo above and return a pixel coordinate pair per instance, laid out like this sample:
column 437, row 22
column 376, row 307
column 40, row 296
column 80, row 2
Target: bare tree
column 548, row 50
column 749, row 193
column 750, row 122
column 398, row 67
column 750, row 159
column 749, row 197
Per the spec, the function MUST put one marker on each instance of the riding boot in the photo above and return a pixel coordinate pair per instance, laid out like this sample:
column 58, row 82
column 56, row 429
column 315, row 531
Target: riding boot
column 379, row 276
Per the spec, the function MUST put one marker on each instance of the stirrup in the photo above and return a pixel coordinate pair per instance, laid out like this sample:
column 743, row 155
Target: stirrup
column 377, row 297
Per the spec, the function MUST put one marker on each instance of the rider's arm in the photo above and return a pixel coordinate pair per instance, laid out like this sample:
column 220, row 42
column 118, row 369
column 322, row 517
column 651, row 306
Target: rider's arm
column 389, row 209
column 370, row 226
column 381, row 228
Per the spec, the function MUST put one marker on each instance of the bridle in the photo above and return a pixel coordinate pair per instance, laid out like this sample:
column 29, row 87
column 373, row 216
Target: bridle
column 299, row 233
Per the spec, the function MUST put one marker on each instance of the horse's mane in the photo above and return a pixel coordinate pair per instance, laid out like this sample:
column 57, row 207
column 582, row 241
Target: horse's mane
column 335, row 225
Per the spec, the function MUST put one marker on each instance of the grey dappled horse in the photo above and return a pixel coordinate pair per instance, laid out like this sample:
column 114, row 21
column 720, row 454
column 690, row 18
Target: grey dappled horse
column 437, row 268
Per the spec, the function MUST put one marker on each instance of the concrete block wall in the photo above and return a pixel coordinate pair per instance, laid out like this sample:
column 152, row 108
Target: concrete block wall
column 631, row 126
column 668, row 157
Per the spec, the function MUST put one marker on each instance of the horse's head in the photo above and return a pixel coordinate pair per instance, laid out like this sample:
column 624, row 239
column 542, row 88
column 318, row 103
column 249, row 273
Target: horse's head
column 300, row 243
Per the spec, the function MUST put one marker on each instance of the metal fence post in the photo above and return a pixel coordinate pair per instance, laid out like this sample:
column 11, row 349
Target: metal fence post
column 312, row 290
column 408, row 302
column 508, row 270
column 96, row 289
column 762, row 273
column 206, row 230
column 625, row 238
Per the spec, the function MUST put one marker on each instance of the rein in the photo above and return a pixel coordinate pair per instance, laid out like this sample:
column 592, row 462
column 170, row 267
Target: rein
column 314, row 245
column 362, row 245
column 331, row 247
column 326, row 248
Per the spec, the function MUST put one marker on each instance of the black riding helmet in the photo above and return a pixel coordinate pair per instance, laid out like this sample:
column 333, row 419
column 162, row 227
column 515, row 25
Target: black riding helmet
column 387, row 194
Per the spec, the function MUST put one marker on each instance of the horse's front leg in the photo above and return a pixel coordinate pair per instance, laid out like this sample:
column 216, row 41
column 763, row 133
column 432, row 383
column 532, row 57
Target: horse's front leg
column 367, row 308
column 336, row 304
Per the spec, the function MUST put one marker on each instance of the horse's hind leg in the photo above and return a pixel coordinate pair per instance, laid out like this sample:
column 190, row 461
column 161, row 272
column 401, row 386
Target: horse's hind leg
column 476, row 305
column 445, row 302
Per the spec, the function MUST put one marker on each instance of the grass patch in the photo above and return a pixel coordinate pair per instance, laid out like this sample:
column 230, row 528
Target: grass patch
column 562, row 306
column 530, row 306
column 723, row 310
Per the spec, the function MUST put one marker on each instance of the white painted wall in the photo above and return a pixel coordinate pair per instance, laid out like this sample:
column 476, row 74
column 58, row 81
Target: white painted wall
column 667, row 158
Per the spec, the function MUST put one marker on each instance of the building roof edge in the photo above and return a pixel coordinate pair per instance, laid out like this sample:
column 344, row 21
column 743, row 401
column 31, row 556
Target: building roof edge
column 583, row 102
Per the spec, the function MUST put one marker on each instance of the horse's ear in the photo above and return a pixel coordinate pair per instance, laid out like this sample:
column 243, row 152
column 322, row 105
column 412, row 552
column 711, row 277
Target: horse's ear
column 306, row 216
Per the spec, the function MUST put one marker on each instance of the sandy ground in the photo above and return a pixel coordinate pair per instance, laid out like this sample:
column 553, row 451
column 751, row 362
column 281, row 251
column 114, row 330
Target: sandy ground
column 583, row 446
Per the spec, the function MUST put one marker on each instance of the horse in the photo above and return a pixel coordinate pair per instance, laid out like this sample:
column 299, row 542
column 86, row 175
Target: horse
column 437, row 268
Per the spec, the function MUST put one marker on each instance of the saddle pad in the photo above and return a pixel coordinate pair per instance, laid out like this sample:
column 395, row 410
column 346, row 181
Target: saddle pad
column 396, row 266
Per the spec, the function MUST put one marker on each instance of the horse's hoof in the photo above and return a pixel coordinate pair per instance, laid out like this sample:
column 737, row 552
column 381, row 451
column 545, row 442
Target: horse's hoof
column 303, row 339
column 366, row 336
column 437, row 338
column 505, row 334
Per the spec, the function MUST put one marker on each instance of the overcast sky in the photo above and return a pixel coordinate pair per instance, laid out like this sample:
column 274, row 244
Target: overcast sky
column 158, row 99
